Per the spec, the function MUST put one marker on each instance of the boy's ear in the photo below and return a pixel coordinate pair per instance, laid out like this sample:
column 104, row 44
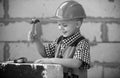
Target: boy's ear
column 78, row 24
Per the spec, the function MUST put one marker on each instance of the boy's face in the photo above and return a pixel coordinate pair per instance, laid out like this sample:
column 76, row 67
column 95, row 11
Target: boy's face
column 68, row 28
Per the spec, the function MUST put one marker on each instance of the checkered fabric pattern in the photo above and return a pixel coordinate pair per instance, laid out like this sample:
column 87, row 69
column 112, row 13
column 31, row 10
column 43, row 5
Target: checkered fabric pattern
column 83, row 53
column 82, row 49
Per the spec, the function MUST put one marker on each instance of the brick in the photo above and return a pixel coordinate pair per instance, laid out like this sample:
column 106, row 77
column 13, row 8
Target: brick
column 1, row 52
column 103, row 72
column 19, row 31
column 54, row 71
column 27, row 50
column 91, row 31
column 30, row 8
column 100, row 32
column 114, row 32
column 6, row 50
column 50, row 32
column 1, row 9
column 105, row 52
column 101, row 8
column 15, row 31
column 111, row 73
column 95, row 72
column 43, row 8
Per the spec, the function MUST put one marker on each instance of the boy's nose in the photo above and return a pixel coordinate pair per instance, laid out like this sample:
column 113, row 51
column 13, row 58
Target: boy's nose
column 61, row 27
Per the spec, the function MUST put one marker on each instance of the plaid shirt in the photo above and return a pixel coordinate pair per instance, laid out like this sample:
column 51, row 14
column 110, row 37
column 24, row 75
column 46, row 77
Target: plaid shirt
column 82, row 51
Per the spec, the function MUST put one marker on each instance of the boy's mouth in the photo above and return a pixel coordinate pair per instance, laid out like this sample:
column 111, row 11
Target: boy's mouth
column 64, row 32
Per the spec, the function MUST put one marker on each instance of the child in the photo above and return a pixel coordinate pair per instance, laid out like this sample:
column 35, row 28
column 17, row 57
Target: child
column 71, row 49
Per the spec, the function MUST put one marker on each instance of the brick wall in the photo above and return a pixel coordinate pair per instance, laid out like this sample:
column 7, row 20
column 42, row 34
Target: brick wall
column 101, row 27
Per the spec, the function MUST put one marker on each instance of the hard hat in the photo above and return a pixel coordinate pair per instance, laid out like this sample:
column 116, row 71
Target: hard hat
column 69, row 10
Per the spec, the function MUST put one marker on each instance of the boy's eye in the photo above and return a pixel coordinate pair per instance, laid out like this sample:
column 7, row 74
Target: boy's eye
column 64, row 25
column 59, row 24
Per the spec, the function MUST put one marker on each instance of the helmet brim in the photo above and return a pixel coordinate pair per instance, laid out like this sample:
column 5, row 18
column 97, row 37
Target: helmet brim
column 64, row 19
column 58, row 19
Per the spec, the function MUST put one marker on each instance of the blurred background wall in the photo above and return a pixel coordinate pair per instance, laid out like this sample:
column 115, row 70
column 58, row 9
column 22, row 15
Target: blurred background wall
column 101, row 27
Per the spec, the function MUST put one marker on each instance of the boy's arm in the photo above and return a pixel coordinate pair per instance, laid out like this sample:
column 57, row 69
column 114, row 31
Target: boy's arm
column 40, row 47
column 37, row 40
column 66, row 62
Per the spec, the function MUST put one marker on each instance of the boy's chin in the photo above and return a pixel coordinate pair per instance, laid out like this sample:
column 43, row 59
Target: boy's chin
column 65, row 35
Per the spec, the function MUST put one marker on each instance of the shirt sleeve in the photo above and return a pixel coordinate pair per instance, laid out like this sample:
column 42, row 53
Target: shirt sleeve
column 50, row 49
column 83, row 53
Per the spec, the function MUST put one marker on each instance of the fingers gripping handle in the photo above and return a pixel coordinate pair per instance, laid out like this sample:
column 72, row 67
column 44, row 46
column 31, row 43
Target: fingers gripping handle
column 32, row 35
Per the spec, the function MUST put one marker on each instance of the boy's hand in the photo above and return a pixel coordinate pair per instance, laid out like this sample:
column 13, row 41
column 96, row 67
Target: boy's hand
column 44, row 61
column 32, row 36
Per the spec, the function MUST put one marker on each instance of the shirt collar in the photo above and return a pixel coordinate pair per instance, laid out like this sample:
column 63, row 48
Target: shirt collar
column 70, row 39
